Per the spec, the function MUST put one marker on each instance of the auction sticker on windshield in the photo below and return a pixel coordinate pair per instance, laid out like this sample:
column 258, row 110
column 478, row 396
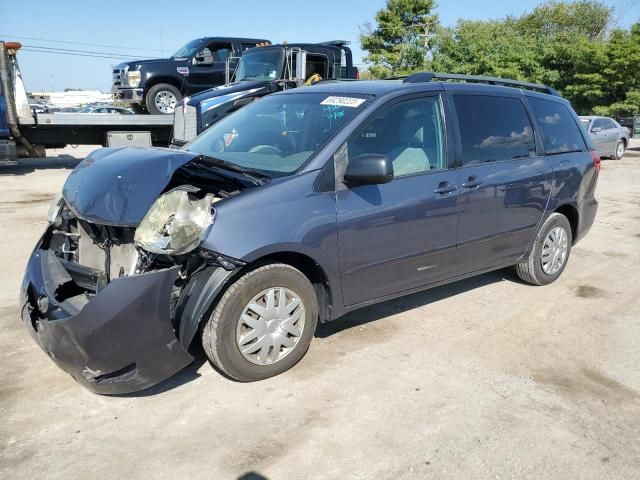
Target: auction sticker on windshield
column 343, row 101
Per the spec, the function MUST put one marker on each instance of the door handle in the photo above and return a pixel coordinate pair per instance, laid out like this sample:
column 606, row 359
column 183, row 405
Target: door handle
column 444, row 188
column 472, row 182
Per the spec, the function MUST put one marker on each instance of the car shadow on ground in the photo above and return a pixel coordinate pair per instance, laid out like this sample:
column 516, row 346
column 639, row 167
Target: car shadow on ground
column 351, row 320
column 409, row 302
column 30, row 165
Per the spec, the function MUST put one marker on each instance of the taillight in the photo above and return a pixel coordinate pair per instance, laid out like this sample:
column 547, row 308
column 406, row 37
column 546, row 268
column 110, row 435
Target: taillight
column 596, row 160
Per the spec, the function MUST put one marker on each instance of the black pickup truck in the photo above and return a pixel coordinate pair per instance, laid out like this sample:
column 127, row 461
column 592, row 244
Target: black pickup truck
column 155, row 86
column 261, row 71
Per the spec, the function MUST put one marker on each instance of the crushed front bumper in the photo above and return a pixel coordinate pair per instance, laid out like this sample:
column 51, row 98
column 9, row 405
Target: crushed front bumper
column 120, row 340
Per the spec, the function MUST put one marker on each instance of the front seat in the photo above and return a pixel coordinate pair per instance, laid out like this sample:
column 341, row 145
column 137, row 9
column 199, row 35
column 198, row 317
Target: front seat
column 410, row 158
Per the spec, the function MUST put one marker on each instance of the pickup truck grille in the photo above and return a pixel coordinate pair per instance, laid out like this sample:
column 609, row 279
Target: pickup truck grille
column 117, row 78
column 185, row 123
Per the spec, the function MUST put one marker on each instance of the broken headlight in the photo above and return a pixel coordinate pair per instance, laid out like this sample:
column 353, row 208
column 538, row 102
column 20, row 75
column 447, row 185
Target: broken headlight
column 175, row 223
column 55, row 208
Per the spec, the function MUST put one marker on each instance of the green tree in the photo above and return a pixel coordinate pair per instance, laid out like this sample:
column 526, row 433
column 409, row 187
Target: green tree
column 622, row 73
column 553, row 19
column 399, row 44
column 495, row 48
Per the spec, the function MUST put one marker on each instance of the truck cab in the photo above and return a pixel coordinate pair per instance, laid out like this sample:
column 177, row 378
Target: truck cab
column 155, row 86
column 258, row 72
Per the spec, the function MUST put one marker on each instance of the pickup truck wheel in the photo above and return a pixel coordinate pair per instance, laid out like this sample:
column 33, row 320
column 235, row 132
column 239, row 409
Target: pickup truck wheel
column 619, row 150
column 550, row 252
column 162, row 98
column 263, row 323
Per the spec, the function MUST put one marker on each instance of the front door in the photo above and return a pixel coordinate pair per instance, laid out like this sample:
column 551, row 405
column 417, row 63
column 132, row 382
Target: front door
column 400, row 235
column 504, row 181
column 208, row 66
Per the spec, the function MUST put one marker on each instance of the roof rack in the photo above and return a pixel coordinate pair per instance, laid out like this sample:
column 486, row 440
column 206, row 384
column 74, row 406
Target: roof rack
column 505, row 82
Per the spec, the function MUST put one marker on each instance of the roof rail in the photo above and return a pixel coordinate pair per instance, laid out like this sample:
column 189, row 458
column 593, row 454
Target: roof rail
column 505, row 82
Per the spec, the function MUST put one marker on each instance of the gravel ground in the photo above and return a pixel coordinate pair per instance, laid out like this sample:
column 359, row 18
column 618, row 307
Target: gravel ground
column 483, row 378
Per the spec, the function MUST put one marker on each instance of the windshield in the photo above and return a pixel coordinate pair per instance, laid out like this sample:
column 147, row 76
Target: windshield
column 86, row 110
column 277, row 134
column 261, row 64
column 188, row 50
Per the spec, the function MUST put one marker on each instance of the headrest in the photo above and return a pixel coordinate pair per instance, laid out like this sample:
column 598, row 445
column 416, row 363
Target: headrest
column 412, row 129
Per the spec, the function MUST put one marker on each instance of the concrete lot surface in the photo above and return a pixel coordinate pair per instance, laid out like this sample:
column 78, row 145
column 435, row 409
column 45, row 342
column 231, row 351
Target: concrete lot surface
column 484, row 378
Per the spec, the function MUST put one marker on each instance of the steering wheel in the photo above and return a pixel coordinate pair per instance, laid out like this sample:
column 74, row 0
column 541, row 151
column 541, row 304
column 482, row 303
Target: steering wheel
column 266, row 150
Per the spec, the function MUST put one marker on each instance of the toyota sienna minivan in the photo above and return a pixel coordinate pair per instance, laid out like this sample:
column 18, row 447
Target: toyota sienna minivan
column 297, row 209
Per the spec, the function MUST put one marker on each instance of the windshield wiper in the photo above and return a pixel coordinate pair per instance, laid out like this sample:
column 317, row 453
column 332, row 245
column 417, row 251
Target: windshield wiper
column 251, row 174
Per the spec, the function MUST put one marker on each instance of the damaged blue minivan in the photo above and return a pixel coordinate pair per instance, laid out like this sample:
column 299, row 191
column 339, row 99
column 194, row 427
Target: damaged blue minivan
column 297, row 209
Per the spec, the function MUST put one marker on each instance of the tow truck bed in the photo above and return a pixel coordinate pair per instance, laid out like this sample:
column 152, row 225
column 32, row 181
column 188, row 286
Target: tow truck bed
column 57, row 129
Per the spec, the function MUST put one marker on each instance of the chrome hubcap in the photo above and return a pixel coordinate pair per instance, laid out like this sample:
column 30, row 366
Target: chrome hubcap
column 270, row 326
column 554, row 250
column 620, row 150
column 165, row 101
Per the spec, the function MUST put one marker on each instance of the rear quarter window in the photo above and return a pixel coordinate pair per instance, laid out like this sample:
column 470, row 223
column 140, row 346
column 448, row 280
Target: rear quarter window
column 560, row 132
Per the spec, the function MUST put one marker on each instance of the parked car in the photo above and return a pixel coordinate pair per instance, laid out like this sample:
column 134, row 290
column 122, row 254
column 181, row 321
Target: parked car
column 155, row 86
column 610, row 139
column 67, row 110
column 38, row 108
column 104, row 109
column 299, row 208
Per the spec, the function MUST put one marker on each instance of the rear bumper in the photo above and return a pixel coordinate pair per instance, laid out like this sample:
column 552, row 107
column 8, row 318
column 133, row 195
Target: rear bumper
column 128, row 95
column 119, row 341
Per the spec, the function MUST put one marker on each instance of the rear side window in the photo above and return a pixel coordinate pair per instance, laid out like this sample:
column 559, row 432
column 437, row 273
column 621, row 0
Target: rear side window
column 560, row 132
column 493, row 129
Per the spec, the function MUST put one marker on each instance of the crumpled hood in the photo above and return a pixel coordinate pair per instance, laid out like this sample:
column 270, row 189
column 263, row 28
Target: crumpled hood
column 117, row 186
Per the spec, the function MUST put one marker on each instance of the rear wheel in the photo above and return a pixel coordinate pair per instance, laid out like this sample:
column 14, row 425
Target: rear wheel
column 263, row 324
column 162, row 99
column 550, row 252
column 620, row 148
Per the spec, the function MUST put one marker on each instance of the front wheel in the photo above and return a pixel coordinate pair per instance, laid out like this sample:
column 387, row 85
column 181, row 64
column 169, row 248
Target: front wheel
column 550, row 252
column 619, row 150
column 263, row 324
column 161, row 99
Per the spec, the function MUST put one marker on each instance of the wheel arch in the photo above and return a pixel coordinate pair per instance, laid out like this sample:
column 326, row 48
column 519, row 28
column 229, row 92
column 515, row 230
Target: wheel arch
column 204, row 292
column 155, row 80
column 310, row 268
column 571, row 213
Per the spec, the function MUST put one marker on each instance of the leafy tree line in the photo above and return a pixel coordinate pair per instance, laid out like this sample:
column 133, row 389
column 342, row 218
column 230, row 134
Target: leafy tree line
column 571, row 46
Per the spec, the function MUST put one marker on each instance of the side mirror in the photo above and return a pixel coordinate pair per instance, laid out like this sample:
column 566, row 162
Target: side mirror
column 369, row 169
column 596, row 130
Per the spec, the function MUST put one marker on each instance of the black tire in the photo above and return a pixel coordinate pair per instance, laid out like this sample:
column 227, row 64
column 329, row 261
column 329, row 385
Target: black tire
column 619, row 151
column 531, row 270
column 159, row 89
column 219, row 332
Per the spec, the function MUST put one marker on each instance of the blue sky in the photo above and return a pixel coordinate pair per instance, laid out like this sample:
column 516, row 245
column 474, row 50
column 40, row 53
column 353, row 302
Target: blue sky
column 147, row 28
